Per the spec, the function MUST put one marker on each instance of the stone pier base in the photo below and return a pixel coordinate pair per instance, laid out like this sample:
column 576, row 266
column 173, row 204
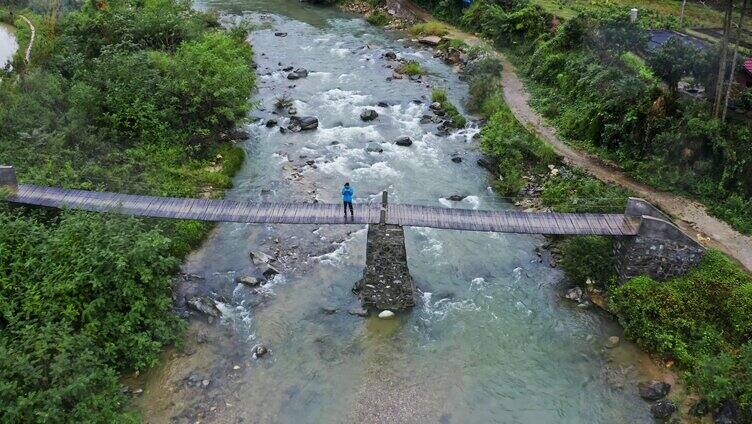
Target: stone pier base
column 386, row 282
column 660, row 250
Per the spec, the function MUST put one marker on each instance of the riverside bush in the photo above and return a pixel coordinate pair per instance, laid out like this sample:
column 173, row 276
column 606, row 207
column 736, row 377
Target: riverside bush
column 134, row 98
column 378, row 18
column 588, row 257
column 516, row 149
column 440, row 95
column 701, row 320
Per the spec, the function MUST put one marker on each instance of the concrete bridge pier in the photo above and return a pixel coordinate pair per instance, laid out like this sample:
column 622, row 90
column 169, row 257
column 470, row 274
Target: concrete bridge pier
column 660, row 249
column 386, row 282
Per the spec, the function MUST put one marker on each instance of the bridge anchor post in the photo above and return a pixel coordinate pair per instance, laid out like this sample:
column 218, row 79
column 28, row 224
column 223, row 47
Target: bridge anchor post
column 660, row 249
column 8, row 179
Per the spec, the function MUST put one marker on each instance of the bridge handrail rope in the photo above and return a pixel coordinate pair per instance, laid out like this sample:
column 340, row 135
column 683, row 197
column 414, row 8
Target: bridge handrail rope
column 583, row 204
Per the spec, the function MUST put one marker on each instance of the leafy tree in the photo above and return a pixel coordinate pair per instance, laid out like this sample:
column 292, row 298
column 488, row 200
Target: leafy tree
column 673, row 61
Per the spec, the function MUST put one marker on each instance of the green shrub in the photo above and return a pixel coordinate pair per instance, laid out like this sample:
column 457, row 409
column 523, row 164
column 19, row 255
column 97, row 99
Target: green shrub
column 516, row 149
column 688, row 317
column 576, row 191
column 378, row 18
column 439, row 95
column 80, row 298
column 740, row 310
column 588, row 257
column 429, row 28
column 411, row 68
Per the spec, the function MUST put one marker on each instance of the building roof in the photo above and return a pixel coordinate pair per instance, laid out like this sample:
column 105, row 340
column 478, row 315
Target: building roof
column 659, row 37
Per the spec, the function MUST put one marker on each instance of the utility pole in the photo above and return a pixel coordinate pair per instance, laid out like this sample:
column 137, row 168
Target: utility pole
column 723, row 59
column 733, row 62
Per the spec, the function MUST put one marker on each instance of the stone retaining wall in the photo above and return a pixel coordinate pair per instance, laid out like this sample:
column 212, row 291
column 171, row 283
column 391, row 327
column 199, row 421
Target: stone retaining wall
column 660, row 249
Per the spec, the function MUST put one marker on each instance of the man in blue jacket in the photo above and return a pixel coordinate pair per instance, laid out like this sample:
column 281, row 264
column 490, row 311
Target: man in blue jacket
column 347, row 196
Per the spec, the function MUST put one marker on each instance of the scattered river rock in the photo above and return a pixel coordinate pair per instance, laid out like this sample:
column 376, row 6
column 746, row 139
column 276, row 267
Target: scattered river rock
column 270, row 272
column 431, row 40
column 612, row 342
column 386, row 314
column 663, row 409
column 303, row 123
column 403, row 141
column 260, row 350
column 369, row 115
column 297, row 74
column 260, row 258
column 361, row 312
column 205, row 305
column 653, row 390
column 249, row 281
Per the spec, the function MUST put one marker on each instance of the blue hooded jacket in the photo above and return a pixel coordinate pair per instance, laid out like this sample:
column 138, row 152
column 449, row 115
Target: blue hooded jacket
column 347, row 194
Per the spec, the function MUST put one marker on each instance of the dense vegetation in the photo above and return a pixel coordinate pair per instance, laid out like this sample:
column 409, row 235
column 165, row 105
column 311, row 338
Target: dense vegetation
column 136, row 96
column 703, row 320
column 521, row 154
column 603, row 99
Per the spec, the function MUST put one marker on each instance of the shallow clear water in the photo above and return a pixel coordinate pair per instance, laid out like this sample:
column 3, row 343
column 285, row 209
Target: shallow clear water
column 489, row 340
column 8, row 44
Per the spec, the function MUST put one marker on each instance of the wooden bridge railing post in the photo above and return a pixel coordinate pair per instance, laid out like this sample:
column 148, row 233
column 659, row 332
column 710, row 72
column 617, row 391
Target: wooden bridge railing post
column 384, row 203
column 8, row 178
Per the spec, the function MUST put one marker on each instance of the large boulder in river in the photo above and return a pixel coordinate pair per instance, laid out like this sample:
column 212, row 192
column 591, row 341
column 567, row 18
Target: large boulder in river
column 390, row 56
column 403, row 141
column 653, row 390
column 369, row 115
column 260, row 258
column 206, row 306
column 270, row 272
column 249, row 281
column 297, row 74
column 663, row 409
column 303, row 123
column 489, row 163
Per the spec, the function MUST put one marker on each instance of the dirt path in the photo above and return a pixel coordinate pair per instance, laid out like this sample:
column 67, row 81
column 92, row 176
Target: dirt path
column 690, row 215
column 27, row 54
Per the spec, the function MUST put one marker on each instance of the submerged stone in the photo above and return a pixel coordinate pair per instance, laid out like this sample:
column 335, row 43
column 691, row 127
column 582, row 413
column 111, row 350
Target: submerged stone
column 386, row 314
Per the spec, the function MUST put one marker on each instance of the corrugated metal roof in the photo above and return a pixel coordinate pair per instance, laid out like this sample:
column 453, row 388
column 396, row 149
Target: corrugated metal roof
column 659, row 37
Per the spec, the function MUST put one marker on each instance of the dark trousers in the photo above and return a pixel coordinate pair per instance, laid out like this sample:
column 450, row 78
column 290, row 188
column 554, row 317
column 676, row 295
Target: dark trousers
column 346, row 205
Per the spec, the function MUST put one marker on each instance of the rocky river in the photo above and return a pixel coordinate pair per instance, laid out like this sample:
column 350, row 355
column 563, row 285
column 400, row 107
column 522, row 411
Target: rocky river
column 490, row 338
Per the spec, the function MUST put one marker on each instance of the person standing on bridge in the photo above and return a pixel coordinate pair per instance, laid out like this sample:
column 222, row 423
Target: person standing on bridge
column 347, row 196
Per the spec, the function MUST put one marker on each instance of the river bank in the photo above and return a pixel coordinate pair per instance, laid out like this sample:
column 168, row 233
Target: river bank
column 85, row 297
column 477, row 344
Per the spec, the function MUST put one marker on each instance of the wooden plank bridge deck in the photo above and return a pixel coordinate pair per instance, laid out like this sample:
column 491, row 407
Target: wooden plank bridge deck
column 322, row 213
